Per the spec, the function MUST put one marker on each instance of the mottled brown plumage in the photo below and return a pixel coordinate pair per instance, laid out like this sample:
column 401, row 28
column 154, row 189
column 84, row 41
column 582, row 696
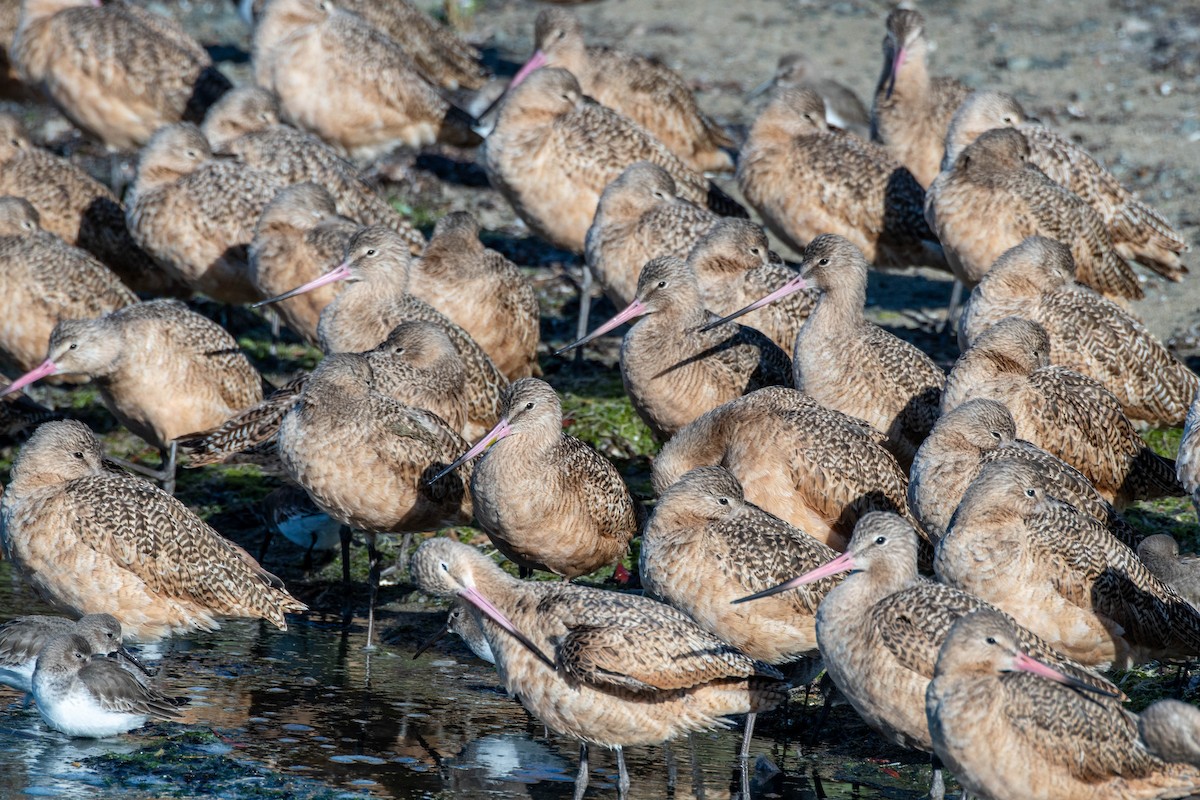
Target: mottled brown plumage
column 843, row 108
column 195, row 214
column 705, row 546
column 1160, row 554
column 1139, row 233
column 912, row 110
column 978, row 433
column 993, row 198
column 1170, row 729
column 1061, row 573
column 1187, row 467
column 481, row 291
column 351, row 84
column 245, row 124
column 806, row 179
column 1061, row 411
column 92, row 540
column 553, row 152
column 117, row 71
column 45, row 281
column 640, row 217
column 816, row 468
column 639, row 88
column 545, row 499
column 1009, row 728
column 1088, row 333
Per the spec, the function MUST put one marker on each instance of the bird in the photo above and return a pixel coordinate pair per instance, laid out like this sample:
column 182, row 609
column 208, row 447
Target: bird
column 912, row 110
column 23, row 638
column 482, row 292
column 1139, row 233
column 377, row 265
column 1160, row 554
column 625, row 670
column 818, row 469
column 45, row 281
column 641, row 89
column 1061, row 411
column 676, row 363
column 1187, row 465
column 705, row 545
column 843, row 108
column 161, row 369
column 18, row 413
column 77, row 208
column 849, row 364
column 349, row 83
column 992, row 198
column 1009, row 725
column 1088, row 333
column 117, row 71
column 553, row 152
column 462, row 622
column 245, row 124
column 291, row 513
column 545, row 499
column 1061, row 574
column 95, row 540
column 980, row 432
column 806, row 179
column 1170, row 729
column 195, row 213
column 82, row 694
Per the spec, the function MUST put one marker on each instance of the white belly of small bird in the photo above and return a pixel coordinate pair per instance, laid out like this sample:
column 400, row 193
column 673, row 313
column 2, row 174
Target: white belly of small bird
column 76, row 713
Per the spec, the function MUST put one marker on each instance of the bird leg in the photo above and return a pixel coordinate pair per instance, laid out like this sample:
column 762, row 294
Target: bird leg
column 956, row 294
column 373, row 578
column 937, row 790
column 405, row 543
column 672, row 768
column 262, row 551
column 581, row 778
column 307, row 564
column 745, row 752
column 622, row 775
column 585, row 308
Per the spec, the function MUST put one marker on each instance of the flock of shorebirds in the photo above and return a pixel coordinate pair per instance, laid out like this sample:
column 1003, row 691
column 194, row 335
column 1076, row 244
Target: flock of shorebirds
column 950, row 547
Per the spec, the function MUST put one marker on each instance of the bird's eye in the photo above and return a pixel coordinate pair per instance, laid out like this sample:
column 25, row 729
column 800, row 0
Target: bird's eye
column 190, row 153
column 660, row 195
column 662, row 284
column 1030, row 493
column 445, row 567
column 991, row 640
column 560, row 34
column 78, row 454
column 824, row 262
column 880, row 540
column 723, row 501
column 399, row 350
column 73, row 345
column 996, row 435
column 529, row 406
column 371, row 251
column 109, row 634
column 755, row 251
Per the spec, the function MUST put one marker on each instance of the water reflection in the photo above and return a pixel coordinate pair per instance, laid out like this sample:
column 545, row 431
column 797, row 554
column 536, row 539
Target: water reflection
column 311, row 702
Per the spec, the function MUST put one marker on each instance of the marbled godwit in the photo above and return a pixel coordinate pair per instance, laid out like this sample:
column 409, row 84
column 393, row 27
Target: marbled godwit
column 993, row 198
column 22, row 638
column 296, row 240
column 636, row 87
column 1060, row 411
column 1160, row 554
column 912, row 110
column 161, row 370
column 622, row 670
column 851, row 365
column 1171, row 730
column 1187, row 467
column 676, row 364
column 735, row 266
column 245, row 123
column 1012, row 727
column 416, row 365
column 546, row 499
column 1061, row 573
column 816, row 468
column 44, row 282
column 76, row 208
column 81, row 694
column 552, row 153
column 640, row 217
column 980, row 432
column 141, row 69
column 93, row 540
column 481, row 291
column 1088, row 333
column 843, row 108
column 378, row 266
column 1139, row 233
column 366, row 460
column 195, row 214
column 705, row 546
column 352, row 85
column 806, row 179
column 462, row 622
column 879, row 630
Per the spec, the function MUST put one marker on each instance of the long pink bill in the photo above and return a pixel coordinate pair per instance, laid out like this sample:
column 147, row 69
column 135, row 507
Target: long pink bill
column 843, row 563
column 1025, row 663
column 472, row 596
column 497, row 433
column 339, row 273
column 791, row 287
column 43, row 370
column 897, row 63
column 631, row 311
column 536, row 61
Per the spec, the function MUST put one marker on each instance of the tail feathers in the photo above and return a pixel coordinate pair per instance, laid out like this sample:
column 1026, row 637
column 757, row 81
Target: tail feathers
column 1143, row 235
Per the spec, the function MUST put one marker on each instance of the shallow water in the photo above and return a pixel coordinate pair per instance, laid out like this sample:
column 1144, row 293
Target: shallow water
column 309, row 713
